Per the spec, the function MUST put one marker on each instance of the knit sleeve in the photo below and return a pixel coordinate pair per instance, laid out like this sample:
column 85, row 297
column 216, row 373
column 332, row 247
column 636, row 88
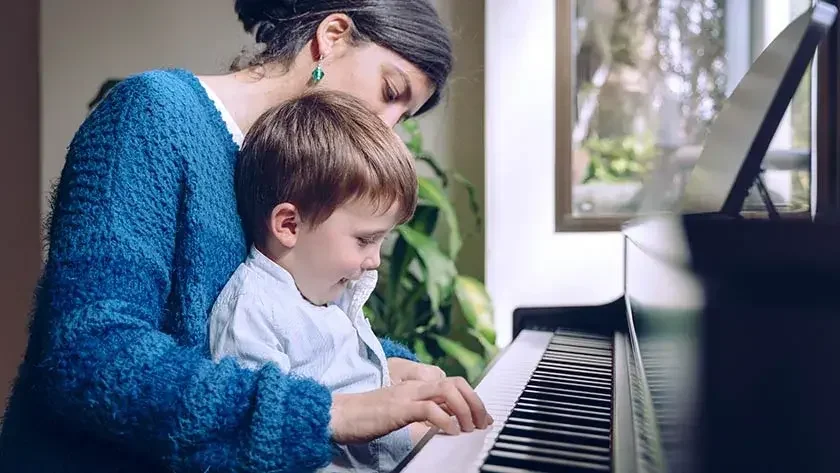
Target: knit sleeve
column 107, row 365
column 394, row 349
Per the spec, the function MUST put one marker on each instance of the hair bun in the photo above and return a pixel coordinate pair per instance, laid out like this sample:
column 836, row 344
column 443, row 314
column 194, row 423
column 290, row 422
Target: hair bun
column 255, row 13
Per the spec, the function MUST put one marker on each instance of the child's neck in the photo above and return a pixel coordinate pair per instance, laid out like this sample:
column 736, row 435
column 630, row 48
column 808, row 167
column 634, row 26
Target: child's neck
column 282, row 257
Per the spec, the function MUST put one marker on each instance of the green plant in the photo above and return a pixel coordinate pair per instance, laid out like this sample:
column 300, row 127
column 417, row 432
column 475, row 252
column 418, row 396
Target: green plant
column 421, row 295
column 626, row 158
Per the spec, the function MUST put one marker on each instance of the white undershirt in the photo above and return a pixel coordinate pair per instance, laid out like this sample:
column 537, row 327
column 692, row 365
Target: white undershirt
column 233, row 128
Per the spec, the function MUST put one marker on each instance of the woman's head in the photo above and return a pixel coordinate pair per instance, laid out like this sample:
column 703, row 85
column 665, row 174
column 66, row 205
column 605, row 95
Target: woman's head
column 394, row 54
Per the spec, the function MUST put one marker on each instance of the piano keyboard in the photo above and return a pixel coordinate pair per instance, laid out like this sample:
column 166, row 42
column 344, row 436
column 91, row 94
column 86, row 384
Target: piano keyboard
column 551, row 397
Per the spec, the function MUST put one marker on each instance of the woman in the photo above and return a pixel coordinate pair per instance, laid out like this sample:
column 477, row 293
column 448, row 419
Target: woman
column 144, row 234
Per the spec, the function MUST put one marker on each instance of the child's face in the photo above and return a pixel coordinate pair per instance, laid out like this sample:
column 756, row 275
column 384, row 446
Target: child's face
column 340, row 249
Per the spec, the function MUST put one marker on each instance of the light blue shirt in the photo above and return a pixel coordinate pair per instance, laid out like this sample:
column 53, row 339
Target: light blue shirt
column 261, row 317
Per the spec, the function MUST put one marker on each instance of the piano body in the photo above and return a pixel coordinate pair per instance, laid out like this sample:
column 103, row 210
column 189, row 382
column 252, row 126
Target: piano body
column 722, row 355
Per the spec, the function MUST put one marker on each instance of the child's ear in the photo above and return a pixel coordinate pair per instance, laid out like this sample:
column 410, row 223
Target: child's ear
column 284, row 224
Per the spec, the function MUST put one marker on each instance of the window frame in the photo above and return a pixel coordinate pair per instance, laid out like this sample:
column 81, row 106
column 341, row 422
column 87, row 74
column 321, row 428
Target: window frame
column 825, row 187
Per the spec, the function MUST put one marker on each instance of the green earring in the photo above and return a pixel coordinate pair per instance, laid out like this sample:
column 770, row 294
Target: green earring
column 318, row 72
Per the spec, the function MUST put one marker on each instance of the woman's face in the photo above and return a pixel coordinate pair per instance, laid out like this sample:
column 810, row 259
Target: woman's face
column 394, row 88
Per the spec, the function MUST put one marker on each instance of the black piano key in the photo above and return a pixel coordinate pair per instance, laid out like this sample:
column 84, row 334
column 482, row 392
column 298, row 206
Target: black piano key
column 562, row 385
column 547, row 376
column 541, row 463
column 579, row 360
column 570, row 342
column 579, row 351
column 577, row 447
column 552, row 452
column 588, row 408
column 567, row 342
column 543, row 432
column 592, row 372
column 562, row 420
column 561, row 333
column 503, row 469
column 555, row 371
column 595, row 432
column 598, row 356
column 565, row 417
column 601, row 416
column 572, row 383
column 565, row 395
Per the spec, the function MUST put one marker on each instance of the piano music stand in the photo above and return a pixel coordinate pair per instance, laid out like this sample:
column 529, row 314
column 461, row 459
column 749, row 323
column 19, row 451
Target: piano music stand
column 730, row 162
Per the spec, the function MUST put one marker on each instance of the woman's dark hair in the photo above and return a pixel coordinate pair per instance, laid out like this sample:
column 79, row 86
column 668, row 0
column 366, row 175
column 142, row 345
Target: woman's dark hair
column 410, row 28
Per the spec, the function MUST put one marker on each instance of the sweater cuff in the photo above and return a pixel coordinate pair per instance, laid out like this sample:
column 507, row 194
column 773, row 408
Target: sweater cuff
column 290, row 424
column 394, row 349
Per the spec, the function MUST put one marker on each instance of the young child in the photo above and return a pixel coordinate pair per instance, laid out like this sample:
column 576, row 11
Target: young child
column 320, row 182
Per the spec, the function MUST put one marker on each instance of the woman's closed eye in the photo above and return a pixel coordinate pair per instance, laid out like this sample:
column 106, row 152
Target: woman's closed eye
column 390, row 92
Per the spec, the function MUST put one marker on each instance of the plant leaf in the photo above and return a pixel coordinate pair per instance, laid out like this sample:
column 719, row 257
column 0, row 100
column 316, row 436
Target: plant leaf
column 402, row 254
column 439, row 269
column 472, row 362
column 422, row 353
column 425, row 218
column 415, row 137
column 490, row 349
column 436, row 168
column 473, row 198
column 429, row 191
column 475, row 305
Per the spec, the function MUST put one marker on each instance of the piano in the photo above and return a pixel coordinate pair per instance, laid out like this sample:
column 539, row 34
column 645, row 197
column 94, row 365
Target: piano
column 723, row 353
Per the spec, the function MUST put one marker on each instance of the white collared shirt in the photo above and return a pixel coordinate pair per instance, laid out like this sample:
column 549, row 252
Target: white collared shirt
column 261, row 316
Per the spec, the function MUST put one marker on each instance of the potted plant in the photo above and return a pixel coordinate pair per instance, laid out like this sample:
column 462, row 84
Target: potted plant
column 421, row 291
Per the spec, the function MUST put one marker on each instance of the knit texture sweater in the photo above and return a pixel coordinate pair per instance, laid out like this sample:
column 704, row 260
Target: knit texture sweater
column 117, row 375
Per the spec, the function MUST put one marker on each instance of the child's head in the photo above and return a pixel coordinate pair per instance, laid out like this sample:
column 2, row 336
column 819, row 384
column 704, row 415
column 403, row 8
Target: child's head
column 320, row 182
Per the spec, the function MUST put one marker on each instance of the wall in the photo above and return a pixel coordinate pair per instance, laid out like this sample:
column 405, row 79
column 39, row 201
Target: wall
column 84, row 42
column 454, row 131
column 19, row 212
column 528, row 264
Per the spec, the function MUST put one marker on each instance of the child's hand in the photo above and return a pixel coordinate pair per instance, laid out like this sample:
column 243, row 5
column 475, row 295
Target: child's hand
column 402, row 370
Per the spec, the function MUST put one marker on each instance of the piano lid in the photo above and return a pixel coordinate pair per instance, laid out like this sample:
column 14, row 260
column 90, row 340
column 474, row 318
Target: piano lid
column 730, row 161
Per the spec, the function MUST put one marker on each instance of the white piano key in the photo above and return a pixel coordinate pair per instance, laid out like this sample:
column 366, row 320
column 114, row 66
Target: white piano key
column 499, row 391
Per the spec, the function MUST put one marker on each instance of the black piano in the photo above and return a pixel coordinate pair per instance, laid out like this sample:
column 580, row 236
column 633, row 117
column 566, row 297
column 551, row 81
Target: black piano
column 722, row 355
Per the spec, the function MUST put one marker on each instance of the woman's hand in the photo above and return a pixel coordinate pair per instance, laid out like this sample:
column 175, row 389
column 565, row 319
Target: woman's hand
column 363, row 417
column 402, row 370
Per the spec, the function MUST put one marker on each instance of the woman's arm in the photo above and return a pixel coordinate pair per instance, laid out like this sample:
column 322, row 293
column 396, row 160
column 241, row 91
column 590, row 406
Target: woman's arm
column 106, row 366
column 394, row 349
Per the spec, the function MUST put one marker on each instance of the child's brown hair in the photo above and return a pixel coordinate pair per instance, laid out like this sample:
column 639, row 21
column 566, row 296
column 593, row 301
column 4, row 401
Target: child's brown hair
column 318, row 152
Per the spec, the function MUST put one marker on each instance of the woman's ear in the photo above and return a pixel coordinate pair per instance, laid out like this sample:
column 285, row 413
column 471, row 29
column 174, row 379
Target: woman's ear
column 284, row 224
column 332, row 36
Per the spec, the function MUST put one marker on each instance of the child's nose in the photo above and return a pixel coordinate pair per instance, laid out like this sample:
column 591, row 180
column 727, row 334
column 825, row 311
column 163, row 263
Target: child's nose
column 371, row 262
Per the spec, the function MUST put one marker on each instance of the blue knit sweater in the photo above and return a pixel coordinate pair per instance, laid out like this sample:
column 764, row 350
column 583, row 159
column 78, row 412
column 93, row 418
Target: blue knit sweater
column 144, row 234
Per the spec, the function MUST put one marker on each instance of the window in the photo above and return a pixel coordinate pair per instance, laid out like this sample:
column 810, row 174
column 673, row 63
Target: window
column 643, row 79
